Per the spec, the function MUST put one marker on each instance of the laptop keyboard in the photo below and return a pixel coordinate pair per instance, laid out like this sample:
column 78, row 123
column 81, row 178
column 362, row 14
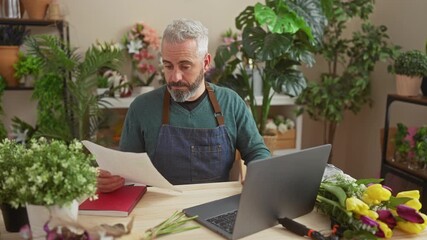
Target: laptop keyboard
column 224, row 221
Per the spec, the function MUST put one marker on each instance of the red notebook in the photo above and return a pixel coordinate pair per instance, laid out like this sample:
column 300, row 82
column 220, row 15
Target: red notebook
column 118, row 203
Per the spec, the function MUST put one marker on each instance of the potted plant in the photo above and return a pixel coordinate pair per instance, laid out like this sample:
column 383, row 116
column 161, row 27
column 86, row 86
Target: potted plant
column 420, row 146
column 26, row 68
column 410, row 67
column 11, row 37
column 277, row 37
column 36, row 9
column 80, row 107
column 424, row 81
column 12, row 179
column 345, row 85
column 401, row 144
column 47, row 176
column 142, row 43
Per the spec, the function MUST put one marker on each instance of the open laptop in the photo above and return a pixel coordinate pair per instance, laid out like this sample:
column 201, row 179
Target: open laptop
column 280, row 186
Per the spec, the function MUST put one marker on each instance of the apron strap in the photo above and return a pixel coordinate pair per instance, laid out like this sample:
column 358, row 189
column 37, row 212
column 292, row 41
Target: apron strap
column 166, row 103
column 212, row 99
column 214, row 102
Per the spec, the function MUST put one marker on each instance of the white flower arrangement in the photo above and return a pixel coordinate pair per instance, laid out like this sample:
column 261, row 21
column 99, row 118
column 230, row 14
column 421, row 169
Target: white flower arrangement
column 45, row 172
column 279, row 124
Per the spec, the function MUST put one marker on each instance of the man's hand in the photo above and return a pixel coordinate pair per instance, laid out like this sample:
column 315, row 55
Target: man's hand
column 107, row 182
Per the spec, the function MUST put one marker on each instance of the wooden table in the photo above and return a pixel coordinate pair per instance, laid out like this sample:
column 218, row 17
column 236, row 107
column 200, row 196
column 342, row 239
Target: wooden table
column 158, row 204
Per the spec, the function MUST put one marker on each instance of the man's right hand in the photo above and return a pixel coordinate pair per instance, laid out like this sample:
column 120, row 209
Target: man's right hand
column 107, row 182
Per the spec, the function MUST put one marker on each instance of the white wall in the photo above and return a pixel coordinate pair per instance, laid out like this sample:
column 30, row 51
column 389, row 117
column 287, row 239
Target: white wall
column 357, row 145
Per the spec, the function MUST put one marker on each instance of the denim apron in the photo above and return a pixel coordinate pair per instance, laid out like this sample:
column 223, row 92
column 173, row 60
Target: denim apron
column 193, row 155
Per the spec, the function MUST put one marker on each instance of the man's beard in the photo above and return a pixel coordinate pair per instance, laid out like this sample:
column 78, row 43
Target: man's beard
column 183, row 95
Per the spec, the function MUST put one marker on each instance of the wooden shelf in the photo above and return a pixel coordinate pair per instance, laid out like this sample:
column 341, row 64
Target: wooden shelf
column 19, row 88
column 31, row 22
column 404, row 167
column 277, row 100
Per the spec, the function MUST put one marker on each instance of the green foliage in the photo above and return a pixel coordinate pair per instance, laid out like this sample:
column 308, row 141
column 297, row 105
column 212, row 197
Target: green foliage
column 411, row 63
column 102, row 82
column 277, row 37
column 45, row 172
column 26, row 65
column 12, row 35
column 346, row 86
column 52, row 120
column 402, row 145
column 79, row 107
column 420, row 148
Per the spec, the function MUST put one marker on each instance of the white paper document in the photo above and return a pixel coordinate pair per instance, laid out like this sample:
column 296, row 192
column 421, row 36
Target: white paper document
column 136, row 168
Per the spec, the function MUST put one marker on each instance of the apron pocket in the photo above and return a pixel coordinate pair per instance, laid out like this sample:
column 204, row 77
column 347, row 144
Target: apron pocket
column 206, row 165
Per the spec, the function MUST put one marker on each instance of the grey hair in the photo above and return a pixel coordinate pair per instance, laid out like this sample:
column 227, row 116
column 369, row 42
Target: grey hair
column 185, row 29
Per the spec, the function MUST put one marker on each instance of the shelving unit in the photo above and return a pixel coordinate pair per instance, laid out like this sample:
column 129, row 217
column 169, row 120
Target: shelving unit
column 388, row 166
column 60, row 25
column 284, row 101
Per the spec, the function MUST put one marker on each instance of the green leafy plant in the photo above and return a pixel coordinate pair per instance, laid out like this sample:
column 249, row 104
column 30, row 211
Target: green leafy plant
column 411, row 63
column 346, row 85
column 79, row 107
column 45, row 172
column 12, row 35
column 420, row 144
column 277, row 37
column 26, row 65
column 402, row 145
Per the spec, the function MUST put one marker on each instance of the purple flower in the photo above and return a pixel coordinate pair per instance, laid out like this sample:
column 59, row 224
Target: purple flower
column 409, row 214
column 368, row 221
column 387, row 217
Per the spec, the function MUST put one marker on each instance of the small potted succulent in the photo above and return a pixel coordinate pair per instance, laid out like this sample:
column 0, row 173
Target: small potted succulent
column 410, row 67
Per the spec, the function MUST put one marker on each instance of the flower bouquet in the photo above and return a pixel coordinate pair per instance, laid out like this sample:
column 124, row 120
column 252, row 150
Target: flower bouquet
column 365, row 209
column 142, row 44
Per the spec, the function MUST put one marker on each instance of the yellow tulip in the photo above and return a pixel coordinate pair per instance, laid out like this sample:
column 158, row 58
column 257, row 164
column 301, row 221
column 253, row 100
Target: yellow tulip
column 413, row 228
column 371, row 214
column 356, row 205
column 375, row 194
column 414, row 194
column 414, row 202
column 386, row 231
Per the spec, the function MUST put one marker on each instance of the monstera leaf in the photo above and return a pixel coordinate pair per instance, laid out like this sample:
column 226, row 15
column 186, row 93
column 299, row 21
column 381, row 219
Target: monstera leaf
column 281, row 19
column 311, row 12
column 263, row 46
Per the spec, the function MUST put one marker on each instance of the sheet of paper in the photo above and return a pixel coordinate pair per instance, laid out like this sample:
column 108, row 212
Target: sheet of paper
column 134, row 167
